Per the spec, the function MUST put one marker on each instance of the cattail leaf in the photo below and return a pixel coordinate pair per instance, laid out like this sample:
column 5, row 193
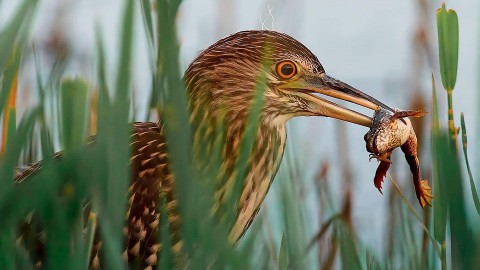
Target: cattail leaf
column 74, row 113
column 439, row 204
column 166, row 255
column 9, row 116
column 349, row 255
column 372, row 262
column 13, row 151
column 9, row 79
column 440, row 207
column 89, row 235
column 11, row 124
column 7, row 256
column 113, row 141
column 283, row 255
column 148, row 20
column 104, row 101
column 473, row 189
column 452, row 197
column 435, row 119
column 16, row 30
column 447, row 26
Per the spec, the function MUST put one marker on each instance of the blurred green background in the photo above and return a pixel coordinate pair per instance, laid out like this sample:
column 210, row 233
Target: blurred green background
column 387, row 49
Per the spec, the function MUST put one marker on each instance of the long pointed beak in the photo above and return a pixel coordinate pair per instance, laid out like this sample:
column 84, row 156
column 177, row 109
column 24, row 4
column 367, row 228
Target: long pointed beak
column 341, row 90
column 326, row 85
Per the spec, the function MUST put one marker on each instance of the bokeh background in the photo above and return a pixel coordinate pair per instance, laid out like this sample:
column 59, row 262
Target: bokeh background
column 385, row 48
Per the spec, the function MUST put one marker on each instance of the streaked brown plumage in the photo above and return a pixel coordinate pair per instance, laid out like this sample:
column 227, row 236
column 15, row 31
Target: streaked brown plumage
column 220, row 89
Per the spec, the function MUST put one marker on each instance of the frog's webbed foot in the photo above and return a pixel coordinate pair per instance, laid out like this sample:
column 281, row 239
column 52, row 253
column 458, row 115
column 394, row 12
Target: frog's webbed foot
column 424, row 194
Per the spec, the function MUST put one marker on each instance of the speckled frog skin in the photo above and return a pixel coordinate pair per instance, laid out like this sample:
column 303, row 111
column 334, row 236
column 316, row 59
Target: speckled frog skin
column 389, row 131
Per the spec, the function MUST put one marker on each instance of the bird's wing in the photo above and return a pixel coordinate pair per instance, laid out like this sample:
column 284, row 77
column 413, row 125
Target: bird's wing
column 25, row 172
column 151, row 182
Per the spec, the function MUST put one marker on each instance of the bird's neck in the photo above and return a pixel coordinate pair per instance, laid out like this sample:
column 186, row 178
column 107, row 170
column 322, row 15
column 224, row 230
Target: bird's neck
column 224, row 133
column 262, row 167
column 219, row 137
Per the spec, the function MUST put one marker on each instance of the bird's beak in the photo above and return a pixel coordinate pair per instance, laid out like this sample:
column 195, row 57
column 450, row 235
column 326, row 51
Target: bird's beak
column 326, row 85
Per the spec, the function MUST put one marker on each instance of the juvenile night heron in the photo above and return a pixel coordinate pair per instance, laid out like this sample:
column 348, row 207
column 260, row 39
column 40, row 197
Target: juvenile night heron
column 221, row 85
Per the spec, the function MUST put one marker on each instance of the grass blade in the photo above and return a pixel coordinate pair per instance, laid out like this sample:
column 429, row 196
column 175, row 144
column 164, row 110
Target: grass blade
column 15, row 31
column 465, row 154
column 9, row 115
column 114, row 143
column 439, row 203
column 283, row 255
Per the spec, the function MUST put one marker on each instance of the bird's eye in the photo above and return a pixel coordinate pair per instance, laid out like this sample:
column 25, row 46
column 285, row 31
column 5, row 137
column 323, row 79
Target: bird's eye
column 286, row 69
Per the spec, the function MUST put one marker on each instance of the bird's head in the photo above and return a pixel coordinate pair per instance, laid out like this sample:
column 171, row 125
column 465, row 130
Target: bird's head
column 224, row 77
column 223, row 83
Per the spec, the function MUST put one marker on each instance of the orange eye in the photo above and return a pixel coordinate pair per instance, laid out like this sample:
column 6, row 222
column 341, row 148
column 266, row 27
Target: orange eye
column 286, row 69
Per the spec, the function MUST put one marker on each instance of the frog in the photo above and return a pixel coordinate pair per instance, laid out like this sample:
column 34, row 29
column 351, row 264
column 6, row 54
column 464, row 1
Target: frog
column 391, row 130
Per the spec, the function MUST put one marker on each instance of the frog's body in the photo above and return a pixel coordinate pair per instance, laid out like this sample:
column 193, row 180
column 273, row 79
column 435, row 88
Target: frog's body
column 389, row 131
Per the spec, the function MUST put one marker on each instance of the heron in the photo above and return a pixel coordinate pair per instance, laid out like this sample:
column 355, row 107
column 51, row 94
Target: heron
column 220, row 86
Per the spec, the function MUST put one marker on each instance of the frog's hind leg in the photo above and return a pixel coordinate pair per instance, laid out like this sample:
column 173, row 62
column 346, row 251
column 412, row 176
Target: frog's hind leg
column 422, row 189
column 381, row 173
